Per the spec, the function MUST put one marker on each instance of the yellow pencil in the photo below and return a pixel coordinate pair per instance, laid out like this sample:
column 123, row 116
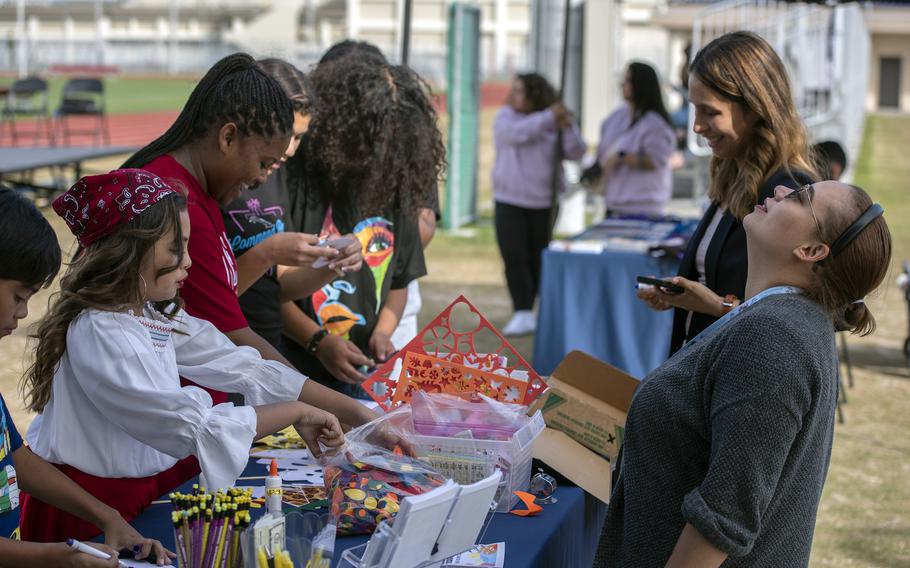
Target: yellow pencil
column 220, row 550
column 205, row 531
column 262, row 559
column 238, row 521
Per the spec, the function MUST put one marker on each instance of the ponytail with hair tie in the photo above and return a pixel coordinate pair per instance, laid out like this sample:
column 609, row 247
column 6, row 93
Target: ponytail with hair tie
column 860, row 254
column 855, row 316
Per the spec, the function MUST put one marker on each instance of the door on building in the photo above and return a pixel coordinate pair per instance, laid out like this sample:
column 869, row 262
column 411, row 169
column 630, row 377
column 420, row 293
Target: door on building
column 889, row 83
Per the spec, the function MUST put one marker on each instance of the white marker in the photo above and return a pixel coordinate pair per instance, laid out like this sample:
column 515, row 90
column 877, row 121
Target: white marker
column 90, row 550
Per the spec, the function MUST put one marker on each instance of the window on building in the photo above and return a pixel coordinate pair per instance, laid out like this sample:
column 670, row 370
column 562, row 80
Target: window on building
column 889, row 83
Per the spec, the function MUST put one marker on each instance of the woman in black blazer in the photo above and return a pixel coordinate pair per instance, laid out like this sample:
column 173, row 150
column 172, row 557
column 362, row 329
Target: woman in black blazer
column 744, row 108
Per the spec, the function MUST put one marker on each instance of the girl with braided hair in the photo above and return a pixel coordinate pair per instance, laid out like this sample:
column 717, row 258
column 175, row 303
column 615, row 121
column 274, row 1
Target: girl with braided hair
column 236, row 125
column 257, row 223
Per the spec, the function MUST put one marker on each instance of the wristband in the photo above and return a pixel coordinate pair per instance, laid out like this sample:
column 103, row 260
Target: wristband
column 313, row 344
column 728, row 303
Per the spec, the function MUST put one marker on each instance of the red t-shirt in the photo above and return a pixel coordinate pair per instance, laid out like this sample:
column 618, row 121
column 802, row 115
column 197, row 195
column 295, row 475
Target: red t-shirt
column 210, row 290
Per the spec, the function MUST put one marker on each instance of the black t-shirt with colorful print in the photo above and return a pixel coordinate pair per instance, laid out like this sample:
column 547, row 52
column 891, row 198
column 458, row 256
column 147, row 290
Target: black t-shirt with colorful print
column 349, row 306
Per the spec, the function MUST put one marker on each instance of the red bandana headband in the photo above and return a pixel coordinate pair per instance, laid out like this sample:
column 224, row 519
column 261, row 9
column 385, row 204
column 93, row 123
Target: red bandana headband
column 96, row 206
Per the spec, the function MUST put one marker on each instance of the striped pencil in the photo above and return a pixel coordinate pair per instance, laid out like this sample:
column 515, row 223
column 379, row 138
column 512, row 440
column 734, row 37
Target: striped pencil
column 178, row 539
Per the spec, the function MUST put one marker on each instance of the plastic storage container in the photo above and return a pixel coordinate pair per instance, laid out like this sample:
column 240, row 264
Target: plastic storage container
column 467, row 460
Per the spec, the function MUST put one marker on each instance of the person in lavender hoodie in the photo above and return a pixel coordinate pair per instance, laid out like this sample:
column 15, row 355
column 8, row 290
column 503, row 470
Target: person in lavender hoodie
column 636, row 143
column 524, row 134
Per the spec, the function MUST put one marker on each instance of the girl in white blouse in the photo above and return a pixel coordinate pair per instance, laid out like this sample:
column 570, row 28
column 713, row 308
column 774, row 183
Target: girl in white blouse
column 112, row 349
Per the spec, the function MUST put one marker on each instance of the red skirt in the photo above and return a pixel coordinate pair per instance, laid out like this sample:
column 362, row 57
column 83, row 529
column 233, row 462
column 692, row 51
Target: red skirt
column 39, row 522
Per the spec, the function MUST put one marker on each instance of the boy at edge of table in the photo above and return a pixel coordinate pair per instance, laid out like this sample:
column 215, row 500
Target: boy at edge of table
column 29, row 260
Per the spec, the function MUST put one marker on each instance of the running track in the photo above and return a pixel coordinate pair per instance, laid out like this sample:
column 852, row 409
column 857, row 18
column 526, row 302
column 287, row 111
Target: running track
column 138, row 129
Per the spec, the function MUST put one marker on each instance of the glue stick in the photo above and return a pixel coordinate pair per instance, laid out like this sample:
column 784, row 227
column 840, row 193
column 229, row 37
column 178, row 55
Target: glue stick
column 273, row 490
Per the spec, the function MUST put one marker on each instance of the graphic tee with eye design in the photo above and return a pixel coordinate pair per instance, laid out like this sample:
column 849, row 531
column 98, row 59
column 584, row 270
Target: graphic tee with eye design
column 349, row 306
column 353, row 302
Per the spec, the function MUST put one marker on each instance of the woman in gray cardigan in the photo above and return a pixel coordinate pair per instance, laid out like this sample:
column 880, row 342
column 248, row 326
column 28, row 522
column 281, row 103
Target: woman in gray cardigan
column 727, row 444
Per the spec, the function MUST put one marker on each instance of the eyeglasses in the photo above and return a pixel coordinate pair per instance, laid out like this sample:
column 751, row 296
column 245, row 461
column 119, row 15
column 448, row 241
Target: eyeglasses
column 874, row 211
column 804, row 195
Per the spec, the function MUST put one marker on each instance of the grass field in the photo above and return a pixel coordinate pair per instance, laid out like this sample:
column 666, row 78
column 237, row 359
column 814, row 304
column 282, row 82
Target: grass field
column 864, row 519
column 865, row 511
column 131, row 94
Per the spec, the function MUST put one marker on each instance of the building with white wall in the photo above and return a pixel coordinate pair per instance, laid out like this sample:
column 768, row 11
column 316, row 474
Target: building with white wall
column 888, row 22
column 189, row 35
column 141, row 35
column 505, row 25
column 889, row 67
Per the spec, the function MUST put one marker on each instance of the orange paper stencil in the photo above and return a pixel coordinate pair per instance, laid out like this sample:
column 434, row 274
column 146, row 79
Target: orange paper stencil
column 443, row 358
column 430, row 374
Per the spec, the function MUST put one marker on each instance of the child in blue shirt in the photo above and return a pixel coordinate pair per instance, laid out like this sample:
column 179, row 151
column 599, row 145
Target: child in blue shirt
column 29, row 260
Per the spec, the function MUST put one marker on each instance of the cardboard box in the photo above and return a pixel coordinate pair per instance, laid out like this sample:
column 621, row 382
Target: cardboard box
column 585, row 412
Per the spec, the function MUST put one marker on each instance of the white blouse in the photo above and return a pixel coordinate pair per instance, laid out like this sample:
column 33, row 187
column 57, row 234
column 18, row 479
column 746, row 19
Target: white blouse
column 117, row 408
column 701, row 253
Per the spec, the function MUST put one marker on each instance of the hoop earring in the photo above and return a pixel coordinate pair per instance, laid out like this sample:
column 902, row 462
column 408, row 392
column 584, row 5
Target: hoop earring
column 145, row 288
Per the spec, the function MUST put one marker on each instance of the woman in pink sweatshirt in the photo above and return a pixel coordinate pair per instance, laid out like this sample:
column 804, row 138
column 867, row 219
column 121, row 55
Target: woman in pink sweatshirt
column 524, row 134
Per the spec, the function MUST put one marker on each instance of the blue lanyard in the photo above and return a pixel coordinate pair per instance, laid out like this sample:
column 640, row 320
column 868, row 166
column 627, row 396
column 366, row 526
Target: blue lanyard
column 723, row 322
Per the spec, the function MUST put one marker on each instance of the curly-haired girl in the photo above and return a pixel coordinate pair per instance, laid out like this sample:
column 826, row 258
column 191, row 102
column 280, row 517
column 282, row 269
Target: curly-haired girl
column 372, row 153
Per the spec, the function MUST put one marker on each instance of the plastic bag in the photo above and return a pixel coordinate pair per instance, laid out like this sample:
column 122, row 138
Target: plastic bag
column 366, row 481
column 451, row 416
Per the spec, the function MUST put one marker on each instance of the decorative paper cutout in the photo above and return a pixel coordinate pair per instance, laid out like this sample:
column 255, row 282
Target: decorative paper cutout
column 532, row 507
column 450, row 339
column 430, row 374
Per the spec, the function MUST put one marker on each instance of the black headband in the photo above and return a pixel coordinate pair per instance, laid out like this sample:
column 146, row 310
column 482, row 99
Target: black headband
column 871, row 214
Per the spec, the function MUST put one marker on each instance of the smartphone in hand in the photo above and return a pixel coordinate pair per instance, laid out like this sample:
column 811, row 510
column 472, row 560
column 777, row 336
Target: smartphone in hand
column 664, row 285
column 338, row 243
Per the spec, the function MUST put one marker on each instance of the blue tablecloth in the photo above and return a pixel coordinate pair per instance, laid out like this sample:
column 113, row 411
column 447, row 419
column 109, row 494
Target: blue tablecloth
column 563, row 535
column 587, row 302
